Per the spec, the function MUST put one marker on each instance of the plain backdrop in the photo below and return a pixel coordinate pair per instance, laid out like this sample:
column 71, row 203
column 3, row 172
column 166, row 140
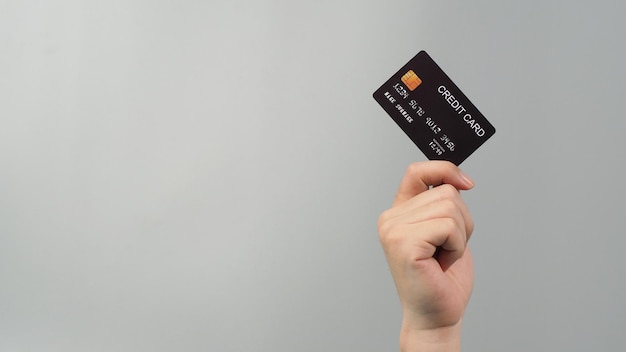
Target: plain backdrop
column 207, row 175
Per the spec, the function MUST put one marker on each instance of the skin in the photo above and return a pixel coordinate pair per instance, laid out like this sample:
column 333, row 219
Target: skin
column 424, row 236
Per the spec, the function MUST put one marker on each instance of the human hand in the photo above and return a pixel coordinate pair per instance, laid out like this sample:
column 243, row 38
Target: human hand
column 424, row 236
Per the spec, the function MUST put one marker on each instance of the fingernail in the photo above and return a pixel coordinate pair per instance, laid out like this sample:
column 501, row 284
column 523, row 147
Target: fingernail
column 467, row 179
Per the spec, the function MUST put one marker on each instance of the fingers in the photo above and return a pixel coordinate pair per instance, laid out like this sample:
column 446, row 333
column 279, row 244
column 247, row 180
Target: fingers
column 442, row 238
column 420, row 176
column 437, row 224
column 429, row 222
column 438, row 202
column 447, row 258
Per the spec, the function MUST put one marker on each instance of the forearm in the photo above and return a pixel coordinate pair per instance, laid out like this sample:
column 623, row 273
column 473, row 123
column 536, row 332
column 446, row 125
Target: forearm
column 447, row 339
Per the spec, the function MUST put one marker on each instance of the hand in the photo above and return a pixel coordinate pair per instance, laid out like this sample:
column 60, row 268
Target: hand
column 424, row 236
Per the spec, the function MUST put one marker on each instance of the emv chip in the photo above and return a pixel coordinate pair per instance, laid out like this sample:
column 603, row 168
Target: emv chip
column 411, row 80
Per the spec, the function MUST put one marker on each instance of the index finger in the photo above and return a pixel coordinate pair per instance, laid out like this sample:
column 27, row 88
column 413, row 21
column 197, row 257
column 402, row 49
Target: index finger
column 421, row 175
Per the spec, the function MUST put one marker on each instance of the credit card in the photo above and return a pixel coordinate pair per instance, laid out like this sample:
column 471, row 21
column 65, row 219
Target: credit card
column 433, row 112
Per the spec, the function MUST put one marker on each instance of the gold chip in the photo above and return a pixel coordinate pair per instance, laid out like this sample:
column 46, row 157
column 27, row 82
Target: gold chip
column 411, row 80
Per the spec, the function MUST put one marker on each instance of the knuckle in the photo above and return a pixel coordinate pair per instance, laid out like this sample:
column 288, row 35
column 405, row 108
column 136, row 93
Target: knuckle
column 383, row 218
column 414, row 168
column 384, row 223
column 448, row 191
column 469, row 225
column 392, row 240
column 449, row 225
column 389, row 231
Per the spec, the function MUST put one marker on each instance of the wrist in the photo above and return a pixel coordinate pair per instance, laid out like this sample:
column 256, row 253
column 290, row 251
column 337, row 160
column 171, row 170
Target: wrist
column 443, row 339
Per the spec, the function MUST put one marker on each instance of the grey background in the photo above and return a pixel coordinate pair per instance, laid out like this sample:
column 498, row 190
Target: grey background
column 207, row 175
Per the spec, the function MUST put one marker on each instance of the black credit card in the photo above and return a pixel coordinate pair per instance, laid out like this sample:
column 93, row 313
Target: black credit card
column 433, row 112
